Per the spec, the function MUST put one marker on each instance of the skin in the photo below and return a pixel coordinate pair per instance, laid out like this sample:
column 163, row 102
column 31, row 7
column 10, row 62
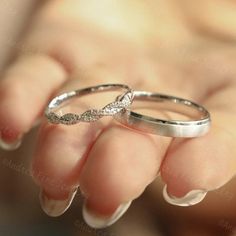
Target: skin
column 73, row 45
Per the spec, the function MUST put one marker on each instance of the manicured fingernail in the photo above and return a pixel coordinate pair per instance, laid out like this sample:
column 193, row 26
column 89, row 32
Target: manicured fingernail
column 97, row 221
column 191, row 198
column 10, row 146
column 55, row 207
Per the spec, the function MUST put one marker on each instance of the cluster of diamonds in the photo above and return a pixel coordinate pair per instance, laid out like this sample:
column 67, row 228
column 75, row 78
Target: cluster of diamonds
column 92, row 115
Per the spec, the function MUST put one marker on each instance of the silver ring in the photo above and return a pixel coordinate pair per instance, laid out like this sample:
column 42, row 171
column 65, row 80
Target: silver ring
column 171, row 128
column 90, row 115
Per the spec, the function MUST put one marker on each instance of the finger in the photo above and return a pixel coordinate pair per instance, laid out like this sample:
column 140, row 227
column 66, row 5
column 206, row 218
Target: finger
column 59, row 157
column 24, row 90
column 56, row 175
column 195, row 166
column 55, row 202
column 119, row 167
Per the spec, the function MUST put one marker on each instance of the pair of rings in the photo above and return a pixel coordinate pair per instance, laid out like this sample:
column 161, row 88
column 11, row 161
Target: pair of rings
column 120, row 109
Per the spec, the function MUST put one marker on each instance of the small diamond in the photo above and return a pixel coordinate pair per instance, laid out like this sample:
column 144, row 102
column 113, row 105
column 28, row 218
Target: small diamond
column 113, row 108
column 69, row 119
column 126, row 99
column 91, row 115
column 53, row 118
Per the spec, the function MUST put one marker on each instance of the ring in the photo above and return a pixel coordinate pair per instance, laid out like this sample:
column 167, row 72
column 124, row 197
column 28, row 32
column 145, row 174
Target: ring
column 90, row 115
column 171, row 128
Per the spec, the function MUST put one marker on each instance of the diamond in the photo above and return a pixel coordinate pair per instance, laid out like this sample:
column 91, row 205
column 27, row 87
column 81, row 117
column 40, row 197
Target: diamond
column 113, row 108
column 53, row 118
column 69, row 119
column 91, row 115
column 126, row 99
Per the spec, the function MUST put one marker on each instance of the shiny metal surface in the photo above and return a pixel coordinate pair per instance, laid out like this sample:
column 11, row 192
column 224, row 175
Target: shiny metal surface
column 170, row 128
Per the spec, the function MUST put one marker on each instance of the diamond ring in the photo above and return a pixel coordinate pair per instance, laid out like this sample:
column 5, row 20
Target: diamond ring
column 90, row 115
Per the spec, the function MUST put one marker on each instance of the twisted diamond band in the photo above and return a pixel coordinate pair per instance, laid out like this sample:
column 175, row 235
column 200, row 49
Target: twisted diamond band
column 90, row 115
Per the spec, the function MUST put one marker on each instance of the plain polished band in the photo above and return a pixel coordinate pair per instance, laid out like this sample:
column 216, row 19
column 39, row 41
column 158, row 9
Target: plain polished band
column 170, row 128
column 125, row 99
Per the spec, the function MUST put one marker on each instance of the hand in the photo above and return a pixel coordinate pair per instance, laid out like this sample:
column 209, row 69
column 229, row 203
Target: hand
column 73, row 45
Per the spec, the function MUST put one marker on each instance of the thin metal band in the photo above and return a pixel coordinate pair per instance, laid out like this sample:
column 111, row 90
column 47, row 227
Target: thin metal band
column 90, row 115
column 170, row 128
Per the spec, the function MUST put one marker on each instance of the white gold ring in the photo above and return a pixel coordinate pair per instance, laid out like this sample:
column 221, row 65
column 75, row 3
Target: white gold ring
column 90, row 115
column 171, row 128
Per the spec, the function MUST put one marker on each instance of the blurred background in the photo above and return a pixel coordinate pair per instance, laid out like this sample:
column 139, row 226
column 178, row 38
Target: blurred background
column 20, row 213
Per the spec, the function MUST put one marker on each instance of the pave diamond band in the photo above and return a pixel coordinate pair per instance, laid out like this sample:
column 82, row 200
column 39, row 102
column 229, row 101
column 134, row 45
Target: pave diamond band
column 198, row 126
column 90, row 115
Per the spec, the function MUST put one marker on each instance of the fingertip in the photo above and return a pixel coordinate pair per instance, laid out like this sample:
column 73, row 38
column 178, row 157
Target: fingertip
column 59, row 156
column 108, row 172
column 195, row 167
column 119, row 167
column 25, row 89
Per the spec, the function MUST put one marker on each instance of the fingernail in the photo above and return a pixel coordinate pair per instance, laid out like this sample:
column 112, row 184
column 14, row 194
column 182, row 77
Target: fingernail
column 55, row 207
column 97, row 221
column 10, row 146
column 191, row 198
